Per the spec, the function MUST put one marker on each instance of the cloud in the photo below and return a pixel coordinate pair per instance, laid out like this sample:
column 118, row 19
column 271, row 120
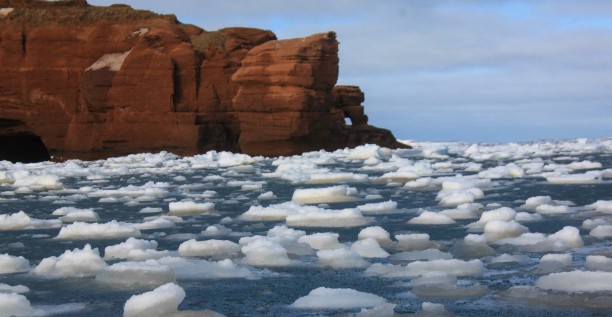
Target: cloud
column 474, row 70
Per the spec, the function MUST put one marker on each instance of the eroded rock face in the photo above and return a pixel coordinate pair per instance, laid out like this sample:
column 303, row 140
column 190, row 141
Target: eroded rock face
column 95, row 82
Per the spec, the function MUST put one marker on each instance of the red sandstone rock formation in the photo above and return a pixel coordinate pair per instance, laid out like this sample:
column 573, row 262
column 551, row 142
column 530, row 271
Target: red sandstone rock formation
column 95, row 82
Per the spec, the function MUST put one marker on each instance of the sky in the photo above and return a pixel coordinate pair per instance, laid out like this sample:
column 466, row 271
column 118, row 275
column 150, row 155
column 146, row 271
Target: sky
column 450, row 70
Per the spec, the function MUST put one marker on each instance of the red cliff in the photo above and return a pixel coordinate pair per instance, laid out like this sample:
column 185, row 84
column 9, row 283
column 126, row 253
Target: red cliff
column 88, row 82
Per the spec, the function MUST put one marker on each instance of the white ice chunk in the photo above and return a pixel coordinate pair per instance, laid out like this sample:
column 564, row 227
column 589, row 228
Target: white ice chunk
column 16, row 305
column 454, row 198
column 160, row 302
column 576, row 281
column 413, row 241
column 387, row 207
column 586, row 178
column 550, row 263
column 266, row 196
column 19, row 289
column 431, row 218
column 338, row 298
column 603, row 206
column 148, row 273
column 598, row 263
column 264, row 252
column 75, row 263
column 533, row 202
column 13, row 264
column 109, row 230
column 21, row 221
column 376, row 232
column 497, row 230
column 369, row 248
column 185, row 208
column 584, row 165
column 601, row 232
column 334, row 194
column 214, row 248
column 546, row 209
column 327, row 218
column 510, row 170
column 341, row 258
column 452, row 266
column 122, row 250
column 321, row 241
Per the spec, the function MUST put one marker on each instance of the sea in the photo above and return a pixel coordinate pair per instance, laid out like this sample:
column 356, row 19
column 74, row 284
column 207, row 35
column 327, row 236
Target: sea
column 442, row 229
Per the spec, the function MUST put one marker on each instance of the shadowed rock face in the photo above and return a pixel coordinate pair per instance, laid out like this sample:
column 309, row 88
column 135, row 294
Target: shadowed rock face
column 94, row 82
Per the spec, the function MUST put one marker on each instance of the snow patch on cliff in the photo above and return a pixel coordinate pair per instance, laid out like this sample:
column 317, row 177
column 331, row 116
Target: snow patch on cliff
column 113, row 61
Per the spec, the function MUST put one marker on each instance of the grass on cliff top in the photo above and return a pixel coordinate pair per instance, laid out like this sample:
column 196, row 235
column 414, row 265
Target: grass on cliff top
column 204, row 40
column 83, row 15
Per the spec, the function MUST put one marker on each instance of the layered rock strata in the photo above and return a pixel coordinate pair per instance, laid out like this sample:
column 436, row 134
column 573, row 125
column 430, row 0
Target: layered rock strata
column 93, row 82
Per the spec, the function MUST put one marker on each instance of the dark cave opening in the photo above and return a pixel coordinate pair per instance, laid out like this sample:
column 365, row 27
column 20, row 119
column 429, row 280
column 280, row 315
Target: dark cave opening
column 24, row 147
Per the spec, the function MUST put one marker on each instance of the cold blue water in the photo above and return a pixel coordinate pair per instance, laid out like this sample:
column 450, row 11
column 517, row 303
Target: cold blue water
column 273, row 289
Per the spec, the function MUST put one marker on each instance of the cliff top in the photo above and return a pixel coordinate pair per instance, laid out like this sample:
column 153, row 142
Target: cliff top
column 74, row 12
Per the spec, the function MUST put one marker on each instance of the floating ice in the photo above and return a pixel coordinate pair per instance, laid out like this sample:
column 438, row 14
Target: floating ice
column 586, row 178
column 546, row 209
column 75, row 263
column 136, row 274
column 185, row 208
column 71, row 214
column 550, row 263
column 214, row 248
column 264, row 252
column 340, row 298
column 334, row 194
column 509, row 258
column 19, row 289
column 123, row 249
column 341, row 258
column 601, row 232
column 387, row 207
column 21, row 221
column 266, row 196
column 151, row 210
column 451, row 267
column 162, row 301
column 603, row 206
column 13, row 264
column 533, row 202
column 431, row 218
column 598, row 263
column 369, row 248
column 158, row 222
column 16, row 305
column 472, row 246
column 109, row 230
column 584, row 165
column 375, row 232
column 321, row 241
column 420, row 183
column 498, row 229
column 413, row 241
column 458, row 197
column 510, row 170
column 433, row 310
column 327, row 218
column 576, row 281
column 463, row 211
column 197, row 269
